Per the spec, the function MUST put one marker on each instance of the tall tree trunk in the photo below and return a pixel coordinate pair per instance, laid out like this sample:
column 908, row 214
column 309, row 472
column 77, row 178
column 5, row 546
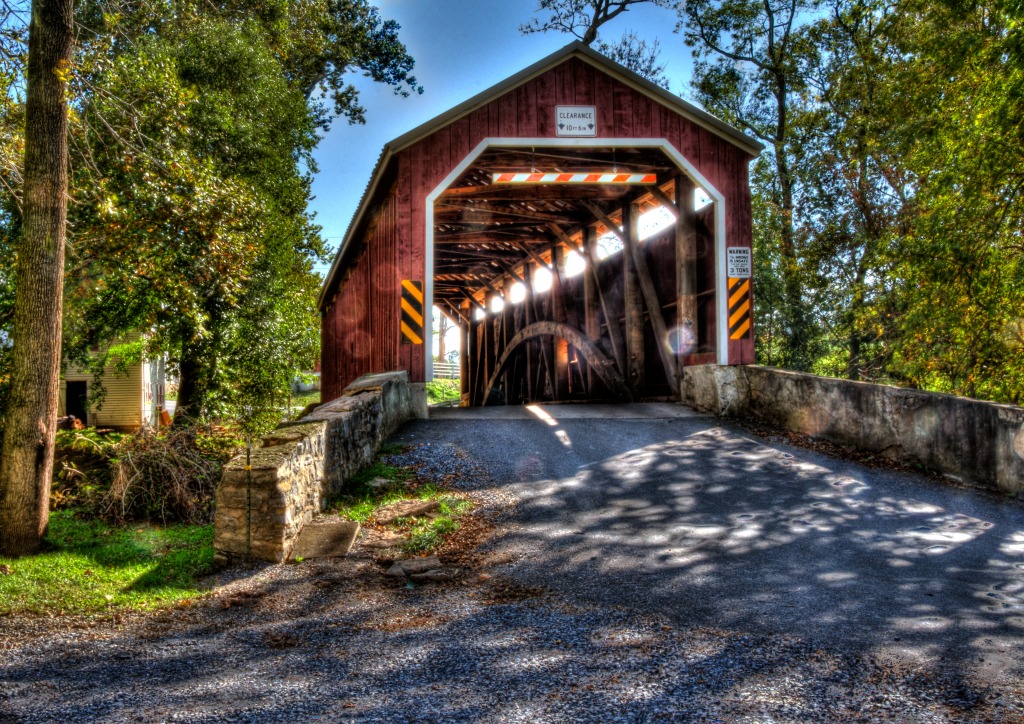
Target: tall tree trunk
column 796, row 316
column 442, row 330
column 190, row 372
column 26, row 462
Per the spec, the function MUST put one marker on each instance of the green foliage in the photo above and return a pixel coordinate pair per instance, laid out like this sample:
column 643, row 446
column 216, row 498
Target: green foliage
column 88, row 440
column 192, row 132
column 200, row 236
column 426, row 535
column 747, row 69
column 963, row 261
column 443, row 391
column 90, row 567
column 888, row 206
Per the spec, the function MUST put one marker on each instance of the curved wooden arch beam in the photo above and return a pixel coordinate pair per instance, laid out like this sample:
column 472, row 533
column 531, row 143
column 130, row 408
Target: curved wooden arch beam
column 593, row 356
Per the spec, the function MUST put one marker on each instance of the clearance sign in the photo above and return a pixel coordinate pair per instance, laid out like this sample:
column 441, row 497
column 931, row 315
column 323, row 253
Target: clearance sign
column 576, row 121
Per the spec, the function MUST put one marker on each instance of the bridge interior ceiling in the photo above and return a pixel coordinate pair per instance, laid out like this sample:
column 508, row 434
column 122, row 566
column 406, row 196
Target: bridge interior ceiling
column 482, row 229
column 612, row 331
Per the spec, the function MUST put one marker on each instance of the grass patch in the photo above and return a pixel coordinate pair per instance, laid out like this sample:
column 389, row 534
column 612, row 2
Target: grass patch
column 393, row 448
column 89, row 566
column 426, row 535
column 439, row 391
column 364, row 500
column 379, row 469
column 360, row 504
column 301, row 399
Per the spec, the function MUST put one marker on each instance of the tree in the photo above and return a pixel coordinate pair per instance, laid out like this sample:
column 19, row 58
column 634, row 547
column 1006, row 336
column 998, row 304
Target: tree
column 441, row 330
column 962, row 264
column 195, row 147
column 854, row 186
column 583, row 20
column 26, row 456
column 748, row 71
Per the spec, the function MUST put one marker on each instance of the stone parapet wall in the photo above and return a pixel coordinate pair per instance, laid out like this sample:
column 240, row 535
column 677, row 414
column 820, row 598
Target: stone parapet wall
column 974, row 441
column 299, row 466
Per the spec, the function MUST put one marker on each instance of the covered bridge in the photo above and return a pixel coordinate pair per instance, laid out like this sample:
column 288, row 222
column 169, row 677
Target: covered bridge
column 521, row 214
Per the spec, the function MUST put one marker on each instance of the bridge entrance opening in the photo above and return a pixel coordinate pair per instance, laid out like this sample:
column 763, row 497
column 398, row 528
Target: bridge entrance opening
column 578, row 272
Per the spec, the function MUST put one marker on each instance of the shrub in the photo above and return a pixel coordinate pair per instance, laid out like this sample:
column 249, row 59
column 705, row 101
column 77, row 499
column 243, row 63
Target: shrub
column 166, row 477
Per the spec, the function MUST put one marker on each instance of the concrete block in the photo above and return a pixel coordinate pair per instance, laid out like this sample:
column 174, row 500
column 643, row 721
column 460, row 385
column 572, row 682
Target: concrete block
column 333, row 539
column 972, row 440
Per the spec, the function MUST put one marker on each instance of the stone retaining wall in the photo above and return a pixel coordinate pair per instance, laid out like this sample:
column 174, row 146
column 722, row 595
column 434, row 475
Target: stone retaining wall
column 299, row 466
column 975, row 441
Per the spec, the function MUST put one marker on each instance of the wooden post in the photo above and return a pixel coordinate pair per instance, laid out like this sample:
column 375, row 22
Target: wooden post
column 507, row 333
column 686, row 274
column 473, row 358
column 654, row 311
column 518, row 322
column 488, row 347
column 546, row 380
column 559, row 301
column 633, row 301
column 591, row 303
column 467, row 324
column 531, row 361
column 611, row 316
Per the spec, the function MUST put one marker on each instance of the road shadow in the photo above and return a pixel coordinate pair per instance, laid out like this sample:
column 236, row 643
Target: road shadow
column 704, row 523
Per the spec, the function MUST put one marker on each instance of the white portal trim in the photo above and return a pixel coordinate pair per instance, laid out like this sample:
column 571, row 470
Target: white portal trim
column 716, row 196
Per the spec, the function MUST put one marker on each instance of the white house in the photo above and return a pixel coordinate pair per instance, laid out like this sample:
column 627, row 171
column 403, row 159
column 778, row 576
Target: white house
column 131, row 400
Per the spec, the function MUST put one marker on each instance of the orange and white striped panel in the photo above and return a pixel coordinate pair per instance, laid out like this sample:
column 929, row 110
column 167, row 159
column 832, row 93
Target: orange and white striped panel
column 575, row 178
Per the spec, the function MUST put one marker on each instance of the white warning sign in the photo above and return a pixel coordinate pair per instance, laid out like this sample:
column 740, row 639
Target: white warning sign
column 575, row 121
column 738, row 263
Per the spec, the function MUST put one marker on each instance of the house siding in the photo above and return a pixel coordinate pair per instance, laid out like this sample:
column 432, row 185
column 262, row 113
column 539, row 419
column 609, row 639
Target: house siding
column 122, row 406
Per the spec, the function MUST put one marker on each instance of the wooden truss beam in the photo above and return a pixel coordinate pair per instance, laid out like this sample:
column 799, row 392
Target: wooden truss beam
column 601, row 365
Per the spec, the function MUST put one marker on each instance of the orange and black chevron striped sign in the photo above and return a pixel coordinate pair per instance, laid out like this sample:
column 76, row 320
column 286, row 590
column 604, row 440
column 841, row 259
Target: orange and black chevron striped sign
column 739, row 308
column 412, row 312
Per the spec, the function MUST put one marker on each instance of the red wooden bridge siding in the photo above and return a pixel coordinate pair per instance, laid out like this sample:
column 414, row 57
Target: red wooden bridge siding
column 360, row 331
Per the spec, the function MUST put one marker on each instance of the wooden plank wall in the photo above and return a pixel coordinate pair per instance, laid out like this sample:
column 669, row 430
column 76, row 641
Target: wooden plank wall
column 353, row 322
column 359, row 328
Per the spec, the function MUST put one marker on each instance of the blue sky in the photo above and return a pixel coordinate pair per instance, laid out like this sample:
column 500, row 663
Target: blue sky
column 461, row 47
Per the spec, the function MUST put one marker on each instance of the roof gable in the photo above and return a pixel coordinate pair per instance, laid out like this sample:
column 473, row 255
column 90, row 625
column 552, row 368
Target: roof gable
column 604, row 64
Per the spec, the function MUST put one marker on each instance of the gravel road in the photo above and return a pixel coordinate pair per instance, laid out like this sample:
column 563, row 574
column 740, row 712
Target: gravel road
column 639, row 564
